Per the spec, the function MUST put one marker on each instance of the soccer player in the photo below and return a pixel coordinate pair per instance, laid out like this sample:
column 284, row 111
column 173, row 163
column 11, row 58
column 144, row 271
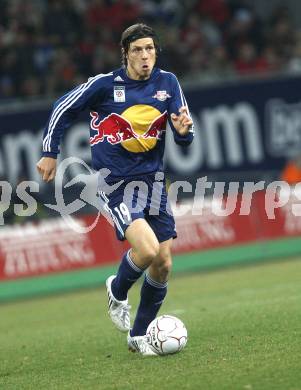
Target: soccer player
column 129, row 108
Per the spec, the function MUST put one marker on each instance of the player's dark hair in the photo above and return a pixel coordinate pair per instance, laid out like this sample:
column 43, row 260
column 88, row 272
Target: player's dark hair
column 134, row 32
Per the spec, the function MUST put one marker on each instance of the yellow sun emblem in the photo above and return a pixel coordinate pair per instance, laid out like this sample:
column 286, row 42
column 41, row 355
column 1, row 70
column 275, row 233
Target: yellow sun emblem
column 148, row 123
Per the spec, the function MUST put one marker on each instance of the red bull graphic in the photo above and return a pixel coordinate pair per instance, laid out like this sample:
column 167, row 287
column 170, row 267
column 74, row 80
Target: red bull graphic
column 137, row 129
column 157, row 127
column 113, row 127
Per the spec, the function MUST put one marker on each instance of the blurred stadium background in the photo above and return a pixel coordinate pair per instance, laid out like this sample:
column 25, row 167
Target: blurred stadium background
column 239, row 63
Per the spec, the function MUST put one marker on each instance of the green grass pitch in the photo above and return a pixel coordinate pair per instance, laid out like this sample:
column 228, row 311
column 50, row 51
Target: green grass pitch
column 244, row 328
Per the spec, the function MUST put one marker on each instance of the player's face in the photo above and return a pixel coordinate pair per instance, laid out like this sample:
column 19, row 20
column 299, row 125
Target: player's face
column 141, row 58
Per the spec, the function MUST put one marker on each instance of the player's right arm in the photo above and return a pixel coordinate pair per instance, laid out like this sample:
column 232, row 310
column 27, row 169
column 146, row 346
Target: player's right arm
column 64, row 112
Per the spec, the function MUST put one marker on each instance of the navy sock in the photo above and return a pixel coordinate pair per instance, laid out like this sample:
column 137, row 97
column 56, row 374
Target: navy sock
column 152, row 296
column 127, row 275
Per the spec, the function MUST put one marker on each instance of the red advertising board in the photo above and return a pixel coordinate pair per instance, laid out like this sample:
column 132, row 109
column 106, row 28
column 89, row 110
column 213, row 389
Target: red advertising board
column 210, row 229
column 277, row 222
column 53, row 246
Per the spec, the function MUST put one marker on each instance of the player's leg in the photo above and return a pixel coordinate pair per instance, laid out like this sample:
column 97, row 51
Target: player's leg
column 160, row 268
column 154, row 289
column 145, row 248
column 144, row 237
column 118, row 285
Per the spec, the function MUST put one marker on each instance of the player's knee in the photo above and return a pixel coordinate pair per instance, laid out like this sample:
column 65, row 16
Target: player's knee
column 149, row 252
column 164, row 274
column 164, row 268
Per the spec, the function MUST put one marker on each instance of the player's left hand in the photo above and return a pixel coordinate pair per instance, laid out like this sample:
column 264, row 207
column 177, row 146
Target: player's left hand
column 182, row 122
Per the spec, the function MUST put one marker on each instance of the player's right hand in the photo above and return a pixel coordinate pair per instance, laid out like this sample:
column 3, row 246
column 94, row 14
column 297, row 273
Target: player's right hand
column 47, row 168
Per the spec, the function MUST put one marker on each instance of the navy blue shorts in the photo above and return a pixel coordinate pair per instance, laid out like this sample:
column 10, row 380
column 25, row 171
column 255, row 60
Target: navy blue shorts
column 140, row 197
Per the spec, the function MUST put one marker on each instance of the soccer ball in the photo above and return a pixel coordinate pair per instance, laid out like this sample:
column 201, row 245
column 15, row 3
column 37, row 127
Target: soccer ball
column 166, row 334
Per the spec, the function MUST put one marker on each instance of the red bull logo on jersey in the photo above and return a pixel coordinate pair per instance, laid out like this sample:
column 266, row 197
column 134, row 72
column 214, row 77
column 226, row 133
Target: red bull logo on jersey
column 137, row 129
column 113, row 127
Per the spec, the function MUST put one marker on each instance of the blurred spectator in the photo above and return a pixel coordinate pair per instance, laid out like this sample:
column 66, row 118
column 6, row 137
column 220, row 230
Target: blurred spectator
column 220, row 68
column 173, row 55
column 294, row 64
column 282, row 34
column 191, row 34
column 248, row 62
column 164, row 11
column 215, row 10
column 244, row 28
column 273, row 62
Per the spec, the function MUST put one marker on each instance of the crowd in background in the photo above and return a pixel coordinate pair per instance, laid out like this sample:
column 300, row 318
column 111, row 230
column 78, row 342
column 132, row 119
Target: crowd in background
column 49, row 46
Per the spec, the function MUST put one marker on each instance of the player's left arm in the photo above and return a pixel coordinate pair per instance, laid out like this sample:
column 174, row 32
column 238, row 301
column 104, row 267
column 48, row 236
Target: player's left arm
column 182, row 122
column 180, row 119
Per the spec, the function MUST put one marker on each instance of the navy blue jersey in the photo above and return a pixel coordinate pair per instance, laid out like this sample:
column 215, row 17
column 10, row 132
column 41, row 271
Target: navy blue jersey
column 128, row 120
